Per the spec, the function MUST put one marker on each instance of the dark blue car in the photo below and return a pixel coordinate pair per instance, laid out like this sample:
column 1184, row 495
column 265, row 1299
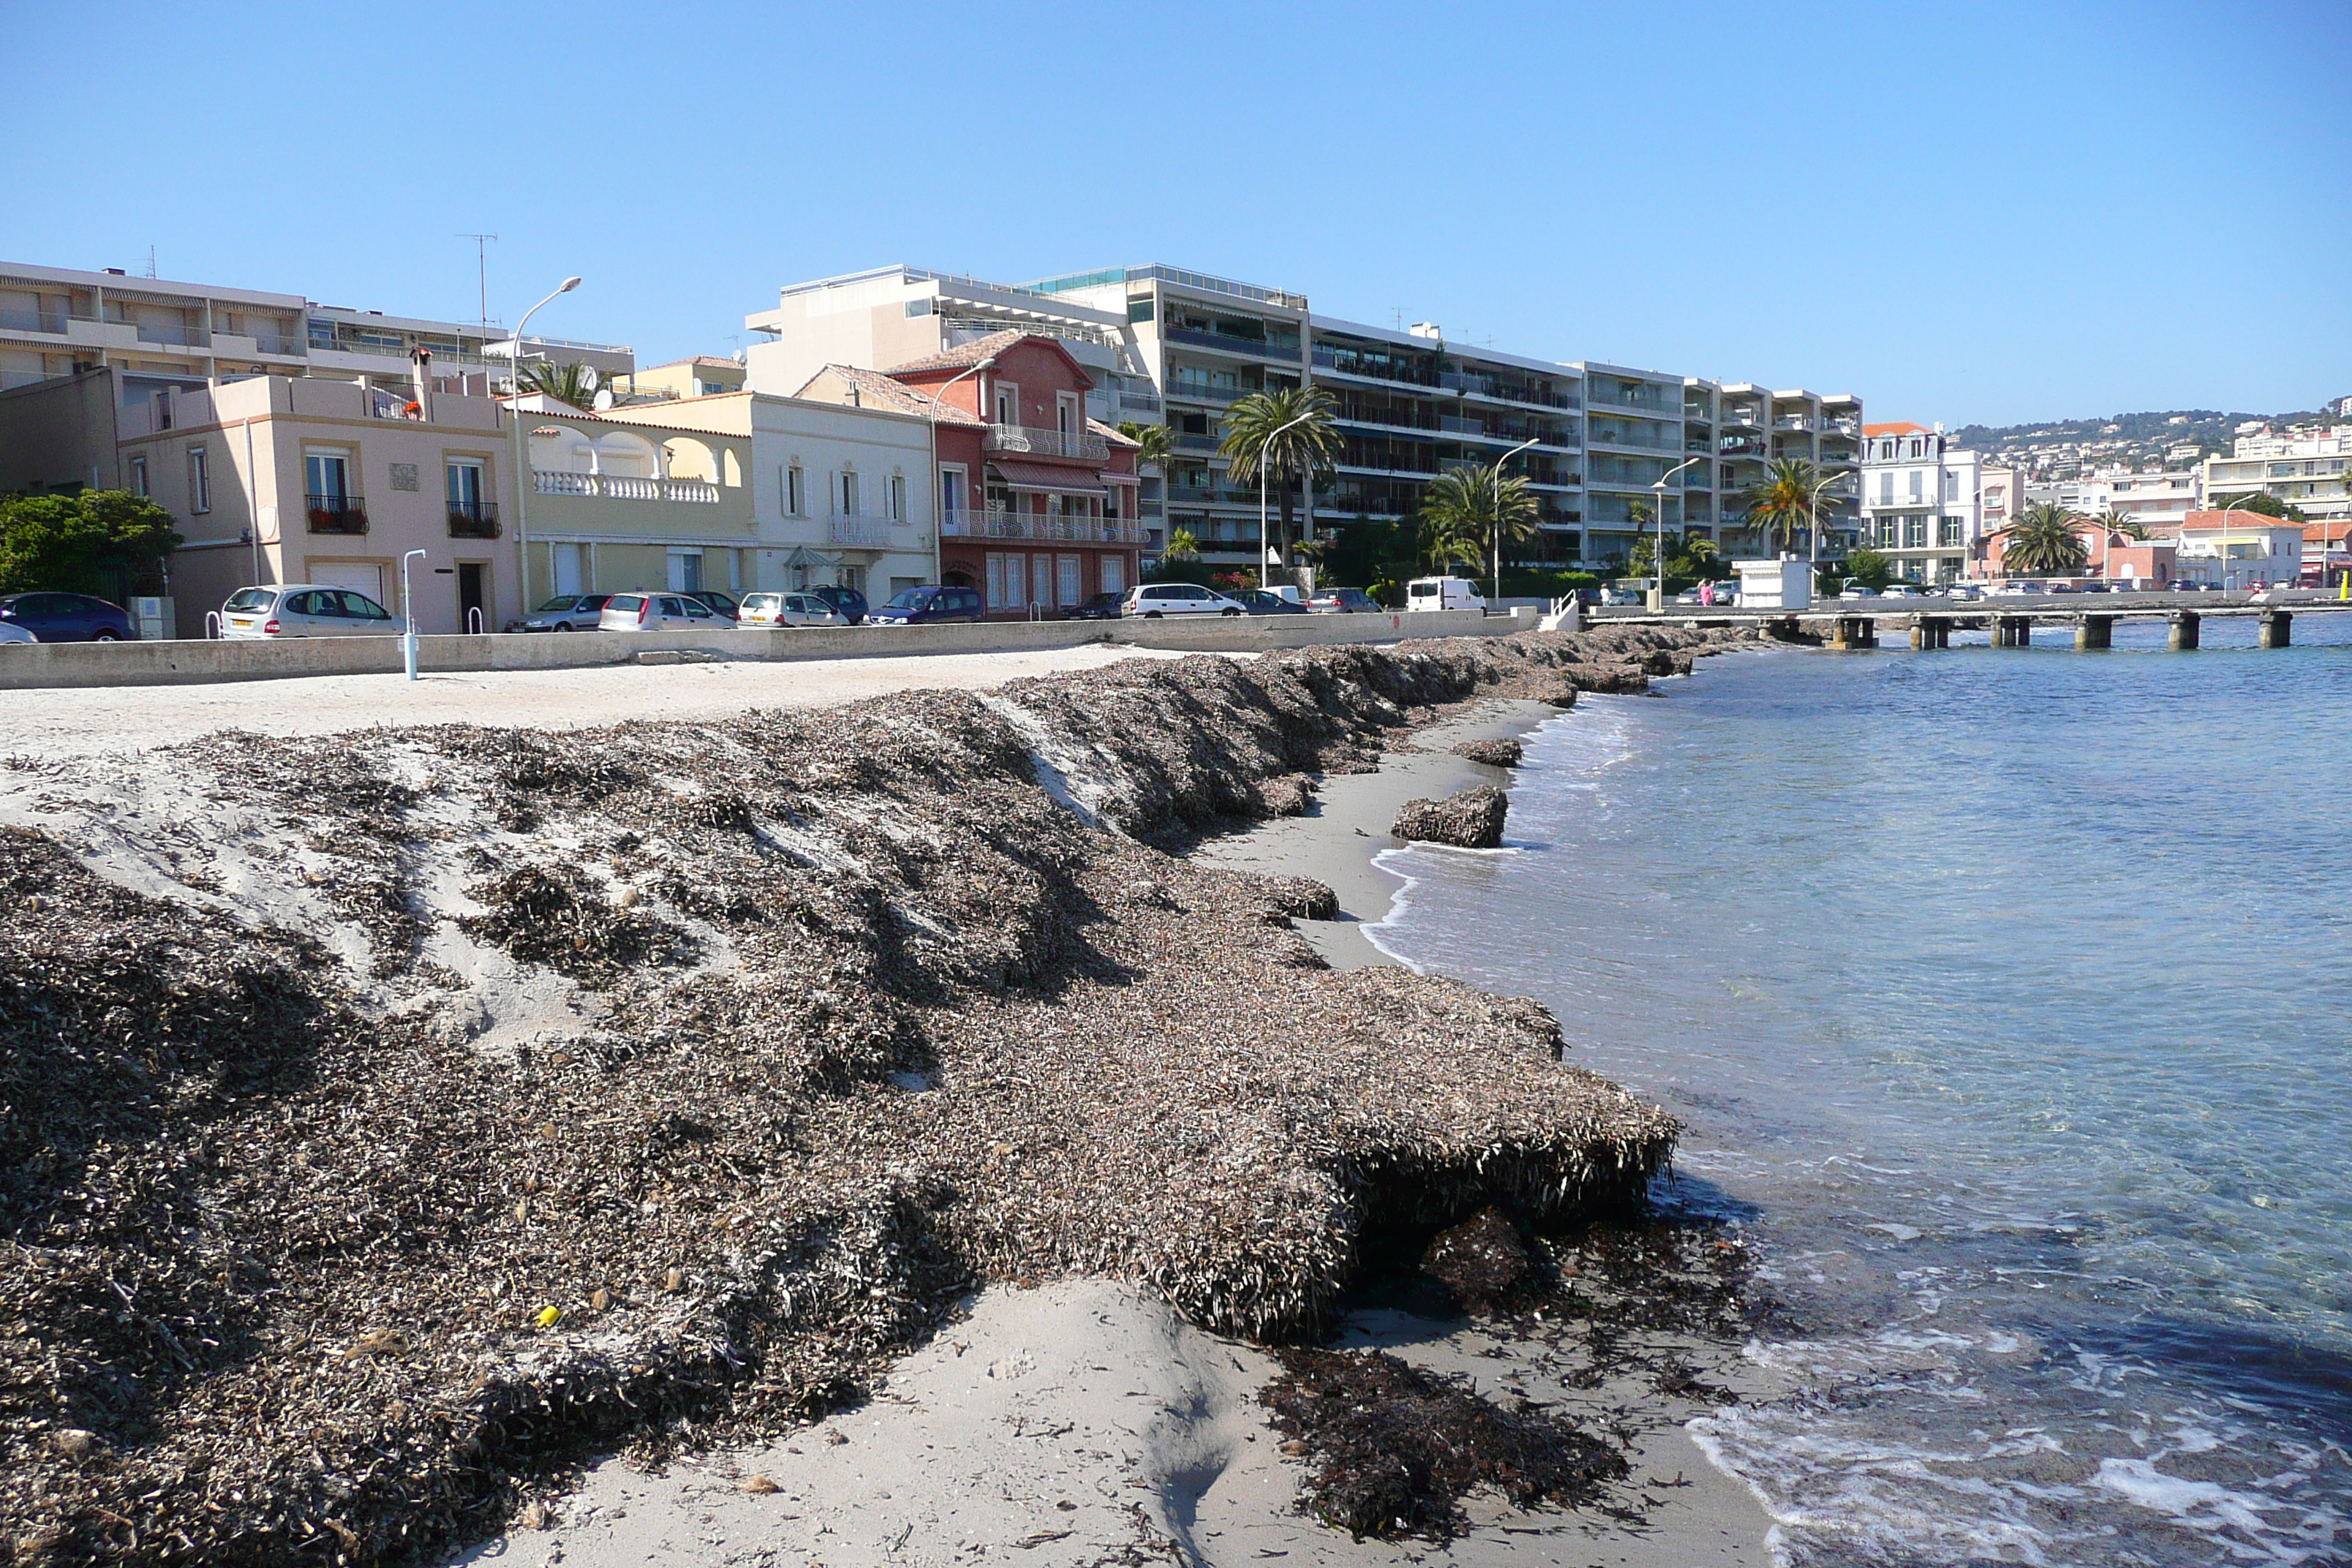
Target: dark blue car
column 68, row 617
column 847, row 602
column 927, row 607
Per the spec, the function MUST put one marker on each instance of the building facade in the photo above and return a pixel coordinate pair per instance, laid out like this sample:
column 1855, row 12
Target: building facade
column 1928, row 505
column 1182, row 347
column 164, row 336
column 2308, row 469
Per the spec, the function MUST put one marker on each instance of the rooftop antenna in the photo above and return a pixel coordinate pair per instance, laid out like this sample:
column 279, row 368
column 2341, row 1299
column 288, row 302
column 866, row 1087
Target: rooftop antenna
column 482, row 268
column 151, row 261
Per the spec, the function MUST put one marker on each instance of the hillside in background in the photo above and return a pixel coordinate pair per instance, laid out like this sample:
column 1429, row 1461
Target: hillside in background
column 2156, row 437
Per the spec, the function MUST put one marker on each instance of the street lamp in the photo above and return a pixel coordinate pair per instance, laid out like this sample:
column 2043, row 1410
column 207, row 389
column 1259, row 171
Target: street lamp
column 521, row 463
column 1498, row 540
column 408, row 612
column 1658, row 505
column 1265, row 551
column 940, row 522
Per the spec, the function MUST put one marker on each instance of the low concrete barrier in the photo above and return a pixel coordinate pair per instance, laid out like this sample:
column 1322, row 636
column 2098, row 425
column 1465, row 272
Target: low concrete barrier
column 24, row 667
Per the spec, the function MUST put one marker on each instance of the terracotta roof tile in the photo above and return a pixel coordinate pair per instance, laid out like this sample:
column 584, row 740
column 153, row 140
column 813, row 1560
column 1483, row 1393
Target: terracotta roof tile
column 1900, row 428
column 969, row 354
column 876, row 390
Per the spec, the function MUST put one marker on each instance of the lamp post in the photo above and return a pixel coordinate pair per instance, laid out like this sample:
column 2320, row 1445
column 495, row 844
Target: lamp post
column 1497, row 540
column 1265, row 551
column 408, row 614
column 1658, row 505
column 940, row 522
column 521, row 462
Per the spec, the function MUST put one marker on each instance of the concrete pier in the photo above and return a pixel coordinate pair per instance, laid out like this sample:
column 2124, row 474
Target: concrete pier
column 2274, row 629
column 2185, row 625
column 1931, row 631
column 1849, row 632
column 2012, row 631
column 2095, row 631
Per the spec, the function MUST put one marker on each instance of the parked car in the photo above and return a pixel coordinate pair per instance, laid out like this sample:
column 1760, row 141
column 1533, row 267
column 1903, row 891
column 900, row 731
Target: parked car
column 717, row 603
column 1266, row 601
column 305, row 610
column 2092, row 588
column 564, row 613
column 1853, row 589
column 848, row 603
column 1962, row 590
column 1345, row 602
column 2018, row 588
column 647, row 612
column 1442, row 593
column 12, row 635
column 1152, row 601
column 2061, row 588
column 928, row 606
column 1905, row 591
column 1101, row 607
column 1621, row 598
column 68, row 617
column 789, row 610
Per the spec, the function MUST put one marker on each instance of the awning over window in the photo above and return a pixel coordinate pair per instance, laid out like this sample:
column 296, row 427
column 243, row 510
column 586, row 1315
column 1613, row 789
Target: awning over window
column 1022, row 476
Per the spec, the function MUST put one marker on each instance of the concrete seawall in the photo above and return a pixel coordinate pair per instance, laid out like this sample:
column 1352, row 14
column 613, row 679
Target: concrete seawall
column 36, row 664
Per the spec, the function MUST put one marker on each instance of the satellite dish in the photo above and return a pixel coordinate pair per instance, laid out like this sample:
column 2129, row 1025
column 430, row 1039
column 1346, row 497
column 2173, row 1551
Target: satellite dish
column 604, row 399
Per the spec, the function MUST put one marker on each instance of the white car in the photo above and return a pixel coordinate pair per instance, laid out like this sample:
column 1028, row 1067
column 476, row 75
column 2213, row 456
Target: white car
column 1962, row 590
column 789, row 610
column 647, row 611
column 1905, row 591
column 1859, row 591
column 305, row 610
column 1442, row 593
column 2018, row 588
column 1152, row 601
column 14, row 634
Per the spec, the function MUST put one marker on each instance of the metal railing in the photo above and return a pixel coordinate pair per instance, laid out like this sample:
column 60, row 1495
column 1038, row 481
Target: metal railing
column 34, row 321
column 271, row 343
column 1202, row 392
column 1253, row 346
column 1047, row 443
column 1598, row 435
column 180, row 337
column 474, row 519
column 335, row 514
column 869, row 532
column 1607, row 400
column 622, row 487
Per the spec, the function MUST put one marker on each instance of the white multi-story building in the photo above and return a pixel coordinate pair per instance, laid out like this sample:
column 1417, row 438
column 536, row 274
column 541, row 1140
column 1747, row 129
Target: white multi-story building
column 162, row 335
column 1166, row 344
column 1926, row 504
column 2311, row 470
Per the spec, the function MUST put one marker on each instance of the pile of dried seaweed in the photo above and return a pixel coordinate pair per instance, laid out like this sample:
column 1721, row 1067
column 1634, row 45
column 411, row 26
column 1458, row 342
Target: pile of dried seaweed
column 1467, row 819
column 449, row 1103
column 1504, row 752
column 1393, row 1449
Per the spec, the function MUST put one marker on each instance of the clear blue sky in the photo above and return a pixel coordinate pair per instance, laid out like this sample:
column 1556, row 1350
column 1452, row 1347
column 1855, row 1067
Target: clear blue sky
column 1998, row 212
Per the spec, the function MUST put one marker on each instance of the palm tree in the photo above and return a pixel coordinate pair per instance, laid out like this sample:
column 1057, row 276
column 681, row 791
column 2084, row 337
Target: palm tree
column 1180, row 546
column 1473, row 508
column 575, row 383
column 2130, row 527
column 1155, row 444
column 1283, row 435
column 2043, row 542
column 1788, row 494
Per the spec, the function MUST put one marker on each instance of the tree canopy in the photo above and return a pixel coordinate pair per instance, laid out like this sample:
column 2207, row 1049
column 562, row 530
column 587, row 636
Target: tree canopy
column 2265, row 504
column 2044, row 542
column 98, row 542
column 1783, row 499
column 575, row 383
column 1469, row 510
column 1284, row 437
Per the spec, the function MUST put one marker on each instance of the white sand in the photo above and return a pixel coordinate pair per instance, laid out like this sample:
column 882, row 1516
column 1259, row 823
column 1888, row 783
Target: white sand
column 81, row 720
column 1084, row 1423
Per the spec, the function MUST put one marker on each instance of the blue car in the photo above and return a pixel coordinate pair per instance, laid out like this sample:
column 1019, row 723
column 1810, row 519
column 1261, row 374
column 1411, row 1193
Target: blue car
column 68, row 617
column 928, row 607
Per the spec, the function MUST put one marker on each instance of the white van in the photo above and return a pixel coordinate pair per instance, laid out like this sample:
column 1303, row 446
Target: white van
column 1443, row 593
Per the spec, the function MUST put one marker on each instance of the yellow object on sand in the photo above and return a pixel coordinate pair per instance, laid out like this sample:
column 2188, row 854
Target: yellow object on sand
column 548, row 1317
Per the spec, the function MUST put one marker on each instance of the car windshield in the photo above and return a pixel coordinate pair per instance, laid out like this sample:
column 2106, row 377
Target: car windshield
column 910, row 598
column 561, row 602
column 250, row 598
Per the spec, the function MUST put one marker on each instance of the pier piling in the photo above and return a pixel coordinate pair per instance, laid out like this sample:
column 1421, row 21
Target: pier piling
column 1850, row 632
column 2182, row 638
column 2012, row 631
column 2095, row 631
column 2275, row 629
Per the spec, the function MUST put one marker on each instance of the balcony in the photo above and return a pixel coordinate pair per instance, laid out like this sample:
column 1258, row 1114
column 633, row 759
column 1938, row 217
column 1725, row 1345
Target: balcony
column 1040, row 442
column 1203, row 392
column 56, row 321
column 1253, row 347
column 1187, row 443
column 622, row 487
column 858, row 531
column 177, row 337
column 335, row 514
column 474, row 519
column 287, row 348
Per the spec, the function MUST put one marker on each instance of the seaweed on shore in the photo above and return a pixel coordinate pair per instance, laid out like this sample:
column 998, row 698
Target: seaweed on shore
column 1393, row 1450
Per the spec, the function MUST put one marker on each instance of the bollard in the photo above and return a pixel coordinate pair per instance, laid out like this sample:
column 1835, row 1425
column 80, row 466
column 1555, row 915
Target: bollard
column 2182, row 638
column 1922, row 637
column 2095, row 631
column 2274, row 629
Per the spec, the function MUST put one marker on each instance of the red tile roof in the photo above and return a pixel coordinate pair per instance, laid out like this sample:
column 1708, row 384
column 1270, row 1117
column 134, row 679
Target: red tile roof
column 875, row 390
column 964, row 354
column 1900, row 428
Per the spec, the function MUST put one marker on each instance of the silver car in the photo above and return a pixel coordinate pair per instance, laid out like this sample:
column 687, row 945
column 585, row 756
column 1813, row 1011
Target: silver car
column 305, row 610
column 650, row 611
column 789, row 610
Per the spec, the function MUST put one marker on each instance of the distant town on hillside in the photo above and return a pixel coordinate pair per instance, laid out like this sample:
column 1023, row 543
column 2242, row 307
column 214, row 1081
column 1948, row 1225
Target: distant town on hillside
column 2169, row 438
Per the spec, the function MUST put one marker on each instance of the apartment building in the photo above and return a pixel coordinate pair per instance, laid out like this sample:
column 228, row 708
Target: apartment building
column 2308, row 468
column 162, row 335
column 1184, row 346
column 1926, row 505
column 702, row 376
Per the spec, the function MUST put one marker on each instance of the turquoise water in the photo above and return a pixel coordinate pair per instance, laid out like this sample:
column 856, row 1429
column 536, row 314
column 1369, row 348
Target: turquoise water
column 2008, row 998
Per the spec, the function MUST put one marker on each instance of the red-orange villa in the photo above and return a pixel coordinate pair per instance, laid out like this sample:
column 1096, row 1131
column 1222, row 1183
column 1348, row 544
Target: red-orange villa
column 1037, row 503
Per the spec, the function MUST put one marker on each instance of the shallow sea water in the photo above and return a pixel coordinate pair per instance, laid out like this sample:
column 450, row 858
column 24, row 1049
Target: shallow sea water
column 2008, row 998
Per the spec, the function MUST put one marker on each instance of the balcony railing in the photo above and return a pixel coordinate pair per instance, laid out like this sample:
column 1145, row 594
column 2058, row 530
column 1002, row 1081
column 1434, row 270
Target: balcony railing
column 996, row 523
column 1041, row 442
column 474, row 519
column 1188, row 443
column 270, row 343
column 336, row 514
column 1202, row 392
column 1231, row 345
column 1656, row 409
column 859, row 532
column 34, row 321
column 622, row 487
column 1601, row 435
column 180, row 337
